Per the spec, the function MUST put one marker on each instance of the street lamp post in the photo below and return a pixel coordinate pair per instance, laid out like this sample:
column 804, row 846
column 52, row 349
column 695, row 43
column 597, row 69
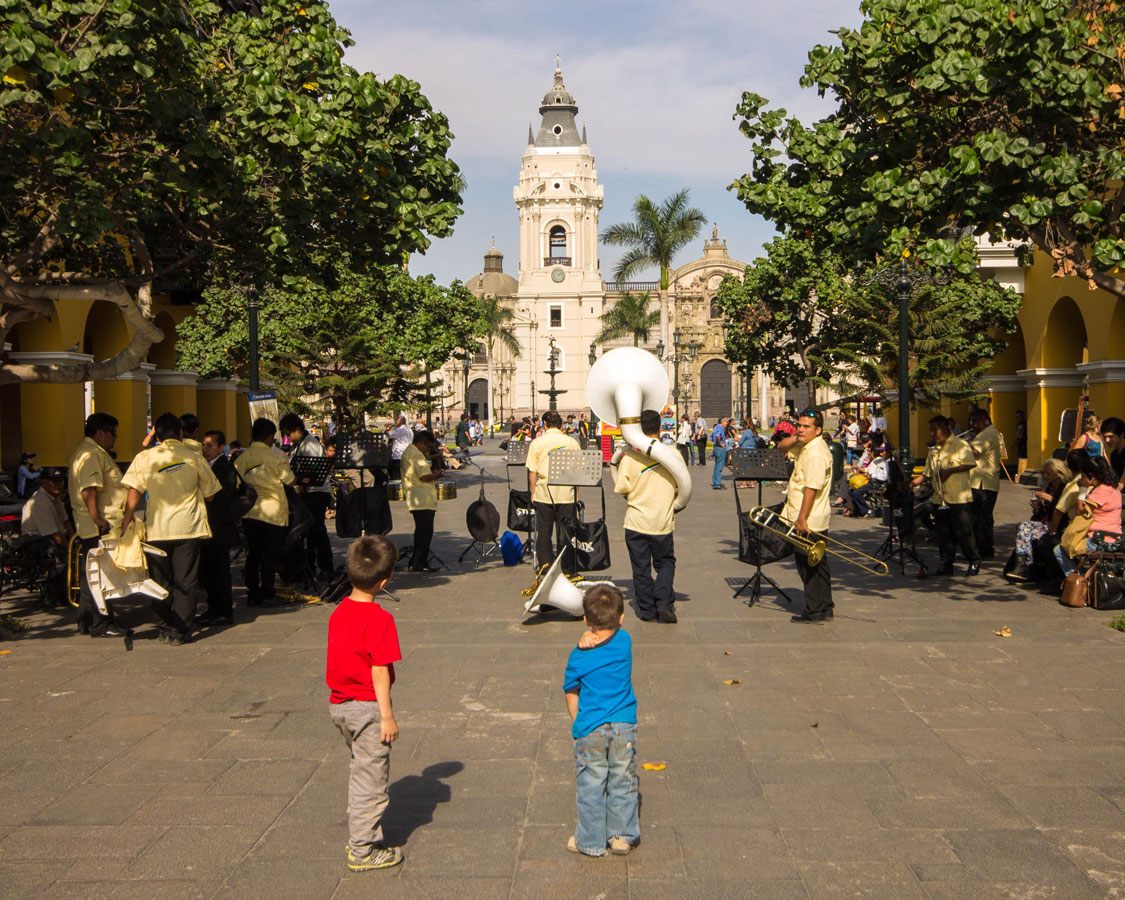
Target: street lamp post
column 682, row 351
column 904, row 280
column 252, row 311
column 465, row 370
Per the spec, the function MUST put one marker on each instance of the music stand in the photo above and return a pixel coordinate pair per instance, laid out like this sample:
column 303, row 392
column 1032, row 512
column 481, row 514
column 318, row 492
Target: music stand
column 900, row 524
column 757, row 465
column 517, row 456
column 366, row 451
column 574, row 468
column 310, row 471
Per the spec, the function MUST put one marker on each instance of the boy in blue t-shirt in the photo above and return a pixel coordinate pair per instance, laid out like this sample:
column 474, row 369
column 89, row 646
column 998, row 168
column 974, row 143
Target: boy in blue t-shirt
column 603, row 710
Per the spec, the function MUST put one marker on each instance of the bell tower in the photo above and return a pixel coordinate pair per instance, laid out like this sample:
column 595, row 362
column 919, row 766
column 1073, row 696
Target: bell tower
column 558, row 200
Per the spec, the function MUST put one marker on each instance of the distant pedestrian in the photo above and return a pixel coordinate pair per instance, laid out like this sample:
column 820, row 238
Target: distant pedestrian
column 701, row 437
column 362, row 652
column 719, row 444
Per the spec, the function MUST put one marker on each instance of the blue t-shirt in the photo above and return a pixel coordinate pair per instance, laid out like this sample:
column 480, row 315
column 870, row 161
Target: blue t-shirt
column 604, row 677
column 719, row 436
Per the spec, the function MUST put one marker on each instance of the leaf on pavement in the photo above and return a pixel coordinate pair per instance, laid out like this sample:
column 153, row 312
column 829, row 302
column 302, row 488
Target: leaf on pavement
column 654, row 767
column 732, row 681
column 1004, row 632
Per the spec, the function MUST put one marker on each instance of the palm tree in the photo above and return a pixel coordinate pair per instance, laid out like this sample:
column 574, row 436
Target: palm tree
column 628, row 316
column 498, row 328
column 655, row 235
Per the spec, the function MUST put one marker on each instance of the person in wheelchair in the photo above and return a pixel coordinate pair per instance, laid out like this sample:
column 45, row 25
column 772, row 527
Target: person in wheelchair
column 873, row 478
column 45, row 519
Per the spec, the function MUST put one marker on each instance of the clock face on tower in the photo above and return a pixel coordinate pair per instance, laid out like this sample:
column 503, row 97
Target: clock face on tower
column 558, row 276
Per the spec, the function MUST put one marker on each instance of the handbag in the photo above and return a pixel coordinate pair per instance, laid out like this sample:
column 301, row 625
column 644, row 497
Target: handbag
column 244, row 499
column 1074, row 538
column 590, row 541
column 1076, row 588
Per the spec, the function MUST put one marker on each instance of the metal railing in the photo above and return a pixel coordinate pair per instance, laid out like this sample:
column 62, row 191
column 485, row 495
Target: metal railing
column 632, row 286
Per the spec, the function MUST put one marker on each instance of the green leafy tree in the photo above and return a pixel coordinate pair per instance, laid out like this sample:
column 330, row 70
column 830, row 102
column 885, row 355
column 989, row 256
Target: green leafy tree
column 366, row 345
column 799, row 315
column 149, row 144
column 498, row 330
column 628, row 317
column 656, row 234
column 1004, row 117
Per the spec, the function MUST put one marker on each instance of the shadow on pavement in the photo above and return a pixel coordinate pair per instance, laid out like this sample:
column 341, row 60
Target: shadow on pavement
column 414, row 799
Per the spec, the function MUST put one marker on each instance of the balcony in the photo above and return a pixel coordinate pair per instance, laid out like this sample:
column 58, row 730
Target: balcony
column 632, row 287
column 556, row 260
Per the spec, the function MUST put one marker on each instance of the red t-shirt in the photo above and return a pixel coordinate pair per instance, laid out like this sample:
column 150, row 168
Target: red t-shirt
column 360, row 635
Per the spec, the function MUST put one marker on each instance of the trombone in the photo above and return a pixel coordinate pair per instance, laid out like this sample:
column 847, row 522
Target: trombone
column 815, row 545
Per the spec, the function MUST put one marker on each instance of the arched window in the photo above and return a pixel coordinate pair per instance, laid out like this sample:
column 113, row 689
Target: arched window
column 558, row 242
column 716, row 312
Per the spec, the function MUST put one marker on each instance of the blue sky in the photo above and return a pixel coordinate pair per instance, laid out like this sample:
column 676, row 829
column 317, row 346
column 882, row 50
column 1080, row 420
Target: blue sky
column 656, row 83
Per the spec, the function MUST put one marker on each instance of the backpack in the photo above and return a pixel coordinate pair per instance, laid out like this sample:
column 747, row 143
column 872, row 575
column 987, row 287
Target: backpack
column 511, row 548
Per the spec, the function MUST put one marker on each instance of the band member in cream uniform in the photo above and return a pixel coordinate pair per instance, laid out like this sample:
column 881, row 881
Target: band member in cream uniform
column 554, row 506
column 808, row 506
column 650, row 491
column 948, row 468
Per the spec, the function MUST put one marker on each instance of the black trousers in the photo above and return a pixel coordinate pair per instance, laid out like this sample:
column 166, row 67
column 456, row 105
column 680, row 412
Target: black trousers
column 954, row 526
column 318, row 548
column 984, row 502
column 701, row 443
column 264, row 543
column 90, row 618
column 214, row 573
column 178, row 573
column 648, row 552
column 423, row 536
column 817, row 581
column 685, row 453
column 552, row 518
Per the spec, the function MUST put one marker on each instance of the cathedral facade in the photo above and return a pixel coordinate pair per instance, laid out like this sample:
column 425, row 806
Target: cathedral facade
column 558, row 296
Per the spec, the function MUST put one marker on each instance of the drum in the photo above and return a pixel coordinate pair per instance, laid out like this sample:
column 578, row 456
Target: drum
column 857, row 481
column 394, row 491
column 446, row 491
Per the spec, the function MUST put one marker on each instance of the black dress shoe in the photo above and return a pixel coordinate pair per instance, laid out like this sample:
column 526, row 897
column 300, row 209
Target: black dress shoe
column 943, row 572
column 176, row 640
column 813, row 617
column 648, row 618
column 974, row 568
column 667, row 616
column 113, row 631
column 424, row 569
column 210, row 621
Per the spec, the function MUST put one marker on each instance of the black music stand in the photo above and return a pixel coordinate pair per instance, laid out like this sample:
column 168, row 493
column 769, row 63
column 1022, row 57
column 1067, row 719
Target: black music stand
column 757, row 465
column 574, row 468
column 483, row 547
column 366, row 451
column 310, row 471
column 517, row 456
column 900, row 521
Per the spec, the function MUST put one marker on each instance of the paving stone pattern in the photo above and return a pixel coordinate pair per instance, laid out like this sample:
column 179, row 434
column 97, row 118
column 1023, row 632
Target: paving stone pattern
column 903, row 750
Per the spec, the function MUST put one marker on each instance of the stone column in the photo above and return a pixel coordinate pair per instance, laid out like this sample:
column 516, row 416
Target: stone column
column 1006, row 394
column 1106, row 378
column 126, row 398
column 216, row 402
column 173, row 391
column 52, row 415
column 1049, row 392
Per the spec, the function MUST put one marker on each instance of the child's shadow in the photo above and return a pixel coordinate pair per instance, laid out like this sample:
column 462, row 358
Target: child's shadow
column 414, row 798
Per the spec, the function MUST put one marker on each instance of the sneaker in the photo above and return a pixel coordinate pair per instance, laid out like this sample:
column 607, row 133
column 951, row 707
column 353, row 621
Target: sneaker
column 380, row 857
column 618, row 846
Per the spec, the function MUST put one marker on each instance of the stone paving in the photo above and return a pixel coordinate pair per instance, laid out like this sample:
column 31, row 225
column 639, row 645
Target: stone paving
column 902, row 751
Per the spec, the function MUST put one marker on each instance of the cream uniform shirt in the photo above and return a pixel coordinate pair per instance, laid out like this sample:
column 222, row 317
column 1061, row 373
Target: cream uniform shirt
column 990, row 443
column 538, row 460
column 176, row 479
column 650, row 491
column 958, row 486
column 419, row 494
column 268, row 472
column 43, row 515
column 92, row 466
column 812, row 468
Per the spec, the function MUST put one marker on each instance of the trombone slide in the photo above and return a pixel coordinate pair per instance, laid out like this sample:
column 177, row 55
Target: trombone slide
column 815, row 544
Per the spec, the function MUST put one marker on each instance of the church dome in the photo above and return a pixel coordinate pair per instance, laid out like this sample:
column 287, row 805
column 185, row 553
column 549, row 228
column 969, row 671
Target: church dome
column 558, row 96
column 558, row 110
column 492, row 281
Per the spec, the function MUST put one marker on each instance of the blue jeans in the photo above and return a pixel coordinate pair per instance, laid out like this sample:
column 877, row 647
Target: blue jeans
column 851, row 454
column 605, row 770
column 720, row 461
column 1067, row 564
column 691, row 451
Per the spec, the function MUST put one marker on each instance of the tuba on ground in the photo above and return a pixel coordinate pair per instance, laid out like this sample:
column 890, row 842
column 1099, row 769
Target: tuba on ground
column 559, row 592
column 621, row 384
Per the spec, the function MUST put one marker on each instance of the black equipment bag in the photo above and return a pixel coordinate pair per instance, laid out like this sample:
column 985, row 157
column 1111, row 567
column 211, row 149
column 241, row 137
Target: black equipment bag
column 757, row 546
column 354, row 506
column 1108, row 591
column 300, row 518
column 337, row 587
column 521, row 514
column 590, row 541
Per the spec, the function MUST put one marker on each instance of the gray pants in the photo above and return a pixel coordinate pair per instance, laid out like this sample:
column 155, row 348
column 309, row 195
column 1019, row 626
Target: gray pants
column 358, row 721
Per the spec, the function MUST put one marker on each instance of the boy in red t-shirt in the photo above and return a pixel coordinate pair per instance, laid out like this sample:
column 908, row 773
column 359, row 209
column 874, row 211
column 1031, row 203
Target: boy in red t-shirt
column 362, row 651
